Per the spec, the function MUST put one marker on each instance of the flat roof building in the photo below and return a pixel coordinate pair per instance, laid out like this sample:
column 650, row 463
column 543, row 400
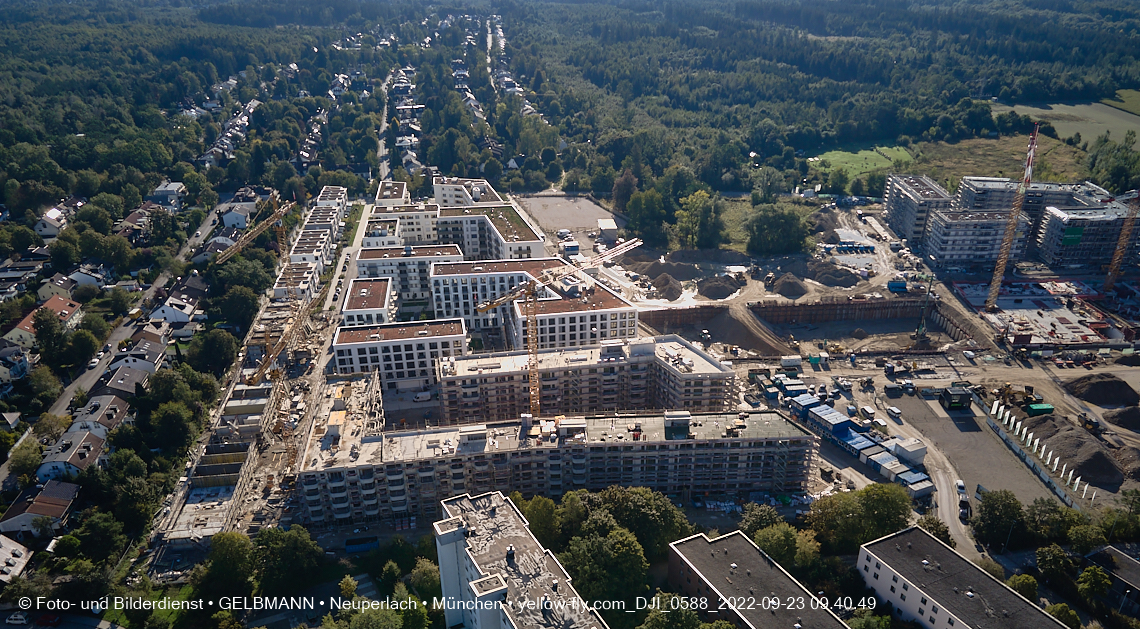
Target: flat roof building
column 496, row 574
column 972, row 238
column 366, row 475
column 1074, row 238
column 368, row 302
column 925, row 581
column 664, row 372
column 405, row 354
column 730, row 572
column 456, row 191
column 909, row 200
column 392, row 193
column 408, row 266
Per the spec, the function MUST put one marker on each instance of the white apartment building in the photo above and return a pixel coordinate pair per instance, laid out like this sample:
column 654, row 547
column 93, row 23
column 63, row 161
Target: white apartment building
column 408, row 266
column 484, row 232
column 498, row 574
column 909, row 200
column 313, row 246
column 381, row 232
column 298, row 279
column 405, row 354
column 327, row 219
column 390, row 193
column 369, row 302
column 972, row 238
column 922, row 580
column 334, row 197
column 574, row 312
column 417, row 223
column 664, row 372
column 457, row 191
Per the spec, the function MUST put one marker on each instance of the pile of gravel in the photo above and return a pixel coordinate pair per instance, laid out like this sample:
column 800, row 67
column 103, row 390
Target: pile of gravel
column 667, row 287
column 790, row 286
column 1103, row 389
column 680, row 271
column 1131, row 360
column 1127, row 417
column 830, row 274
column 719, row 287
column 1078, row 449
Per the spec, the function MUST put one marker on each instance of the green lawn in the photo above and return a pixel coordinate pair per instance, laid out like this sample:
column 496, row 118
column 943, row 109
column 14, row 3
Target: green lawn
column 181, row 593
column 999, row 157
column 1126, row 100
column 861, row 161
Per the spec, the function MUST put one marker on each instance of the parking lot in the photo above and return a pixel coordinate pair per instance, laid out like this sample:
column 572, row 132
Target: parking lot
column 971, row 446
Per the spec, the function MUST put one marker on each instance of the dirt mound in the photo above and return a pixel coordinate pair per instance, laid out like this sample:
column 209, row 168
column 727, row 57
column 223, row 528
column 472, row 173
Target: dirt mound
column 790, row 286
column 667, row 287
column 716, row 256
column 1077, row 449
column 831, row 238
column 1127, row 417
column 655, row 267
column 1103, row 389
column 1129, row 460
column 825, row 220
column 719, row 287
column 830, row 274
column 738, row 326
column 1131, row 360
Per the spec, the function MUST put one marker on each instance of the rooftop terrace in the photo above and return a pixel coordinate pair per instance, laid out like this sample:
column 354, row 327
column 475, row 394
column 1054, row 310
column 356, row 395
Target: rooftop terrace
column 505, row 218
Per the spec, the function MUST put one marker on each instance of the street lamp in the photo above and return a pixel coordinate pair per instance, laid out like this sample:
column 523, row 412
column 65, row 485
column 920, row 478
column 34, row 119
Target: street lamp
column 1122, row 599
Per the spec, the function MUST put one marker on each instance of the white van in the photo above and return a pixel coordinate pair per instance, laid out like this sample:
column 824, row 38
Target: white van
column 422, row 396
column 894, row 411
column 867, row 412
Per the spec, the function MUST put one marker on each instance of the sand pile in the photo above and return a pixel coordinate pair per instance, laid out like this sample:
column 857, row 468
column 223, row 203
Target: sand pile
column 738, row 326
column 667, row 287
column 719, row 287
column 654, row 268
column 825, row 220
column 1131, row 360
column 1129, row 460
column 1127, row 417
column 1103, row 390
column 830, row 274
column 831, row 238
column 1078, row 449
column 790, row 286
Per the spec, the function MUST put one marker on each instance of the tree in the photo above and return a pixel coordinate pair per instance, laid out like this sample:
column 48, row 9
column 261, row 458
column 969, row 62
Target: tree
column 699, row 225
column 935, row 526
column 779, row 542
column 776, row 230
column 1093, row 583
column 666, row 614
column 607, row 568
column 425, row 579
column 541, row 514
column 229, row 568
column 26, row 458
column 82, row 346
column 239, row 305
column 286, row 560
column 647, row 217
column 886, row 509
column 648, row 514
column 382, row 618
column 1024, row 585
column 1062, row 612
column 624, row 188
column 119, row 301
column 64, row 255
column 1050, row 521
column 50, row 336
column 758, row 516
column 389, row 576
column 838, row 521
column 50, row 426
column 999, row 518
column 42, row 526
column 96, row 325
column 1086, row 537
column 857, row 187
column 213, row 351
column 837, row 182
column 348, row 587
column 101, row 536
column 866, row 619
column 68, row 546
column 992, row 567
column 44, row 385
column 1053, row 562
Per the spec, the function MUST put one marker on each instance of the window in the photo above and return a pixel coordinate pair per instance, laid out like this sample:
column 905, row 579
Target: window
column 866, row 568
column 902, row 596
column 950, row 621
column 895, row 579
column 922, row 602
column 906, row 586
column 892, row 588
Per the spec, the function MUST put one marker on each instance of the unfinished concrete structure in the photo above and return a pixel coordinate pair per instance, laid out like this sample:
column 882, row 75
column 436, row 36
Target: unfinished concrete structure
column 909, row 200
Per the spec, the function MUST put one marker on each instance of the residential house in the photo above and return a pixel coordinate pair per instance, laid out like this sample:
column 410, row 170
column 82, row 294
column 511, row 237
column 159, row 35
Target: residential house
column 9, row 421
column 134, row 226
column 51, row 223
column 13, row 362
column 227, row 236
column 208, row 251
column 92, row 275
column 144, row 356
column 156, row 332
column 15, row 557
column 236, row 215
column 59, row 284
column 53, row 500
column 192, row 285
column 73, row 453
column 36, row 254
column 70, row 313
column 102, row 414
column 178, row 309
column 169, row 194
column 121, row 382
column 20, row 274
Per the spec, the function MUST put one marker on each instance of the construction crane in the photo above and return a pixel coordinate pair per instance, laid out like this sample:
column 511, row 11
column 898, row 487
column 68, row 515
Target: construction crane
column 248, row 236
column 1122, row 244
column 1011, row 224
column 528, row 293
column 288, row 333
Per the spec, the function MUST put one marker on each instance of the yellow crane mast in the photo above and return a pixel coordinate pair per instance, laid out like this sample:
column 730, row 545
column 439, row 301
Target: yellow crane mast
column 1122, row 245
column 528, row 292
column 250, row 235
column 1011, row 225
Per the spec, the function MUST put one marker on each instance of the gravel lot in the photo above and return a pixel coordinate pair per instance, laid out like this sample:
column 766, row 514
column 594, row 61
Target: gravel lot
column 559, row 212
column 972, row 447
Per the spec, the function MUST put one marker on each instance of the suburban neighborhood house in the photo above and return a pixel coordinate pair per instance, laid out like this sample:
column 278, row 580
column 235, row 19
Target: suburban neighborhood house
column 70, row 313
column 73, row 453
column 53, row 501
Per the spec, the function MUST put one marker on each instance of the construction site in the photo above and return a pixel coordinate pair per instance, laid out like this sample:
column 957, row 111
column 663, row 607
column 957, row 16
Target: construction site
column 860, row 330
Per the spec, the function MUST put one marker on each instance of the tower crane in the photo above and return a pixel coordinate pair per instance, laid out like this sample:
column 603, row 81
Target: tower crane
column 1011, row 224
column 249, row 236
column 1122, row 243
column 528, row 293
column 293, row 325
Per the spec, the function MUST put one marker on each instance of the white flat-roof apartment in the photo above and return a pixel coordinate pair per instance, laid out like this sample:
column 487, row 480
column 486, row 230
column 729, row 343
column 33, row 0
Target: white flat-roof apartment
column 909, row 200
column 1079, row 237
column 334, row 197
column 922, row 580
column 392, row 193
column 575, row 312
column 381, row 231
column 313, row 246
column 405, row 354
column 972, row 237
column 457, row 191
column 496, row 232
column 417, row 222
column 327, row 219
column 297, row 279
column 498, row 575
column 664, row 372
column 369, row 302
column 408, row 266
column 364, row 475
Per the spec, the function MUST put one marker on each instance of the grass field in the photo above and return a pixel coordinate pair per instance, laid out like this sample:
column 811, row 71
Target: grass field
column 735, row 215
column 1001, row 157
column 1089, row 119
column 861, row 161
column 1126, row 100
column 181, row 593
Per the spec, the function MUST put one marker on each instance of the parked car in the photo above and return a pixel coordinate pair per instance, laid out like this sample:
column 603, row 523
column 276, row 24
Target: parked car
column 93, row 364
column 18, row 618
column 49, row 620
column 960, row 486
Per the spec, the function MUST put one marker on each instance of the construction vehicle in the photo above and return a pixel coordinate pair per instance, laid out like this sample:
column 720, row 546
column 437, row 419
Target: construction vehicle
column 1090, row 424
column 769, row 279
column 248, row 237
column 1011, row 225
column 1122, row 243
column 528, row 292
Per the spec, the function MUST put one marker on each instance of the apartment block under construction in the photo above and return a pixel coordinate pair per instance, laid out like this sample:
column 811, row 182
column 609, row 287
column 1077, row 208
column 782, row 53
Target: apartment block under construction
column 664, row 372
column 353, row 473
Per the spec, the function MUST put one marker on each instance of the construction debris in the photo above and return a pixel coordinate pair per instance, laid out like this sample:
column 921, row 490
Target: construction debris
column 1103, row 389
column 1092, row 461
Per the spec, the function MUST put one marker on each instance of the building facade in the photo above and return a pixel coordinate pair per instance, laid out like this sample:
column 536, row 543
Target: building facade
column 972, row 238
column 409, row 267
column 1077, row 238
column 405, row 354
column 369, row 302
column 909, row 200
column 665, row 372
